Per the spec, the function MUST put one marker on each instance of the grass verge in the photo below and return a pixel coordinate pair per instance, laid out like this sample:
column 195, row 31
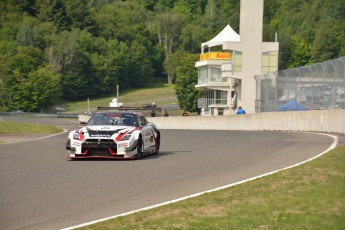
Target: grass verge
column 161, row 94
column 311, row 196
column 23, row 128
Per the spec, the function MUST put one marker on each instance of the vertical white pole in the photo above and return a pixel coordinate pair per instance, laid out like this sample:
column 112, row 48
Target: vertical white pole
column 117, row 93
column 88, row 105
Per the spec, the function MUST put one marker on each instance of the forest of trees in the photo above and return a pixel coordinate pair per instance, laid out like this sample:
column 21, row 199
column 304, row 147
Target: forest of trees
column 54, row 50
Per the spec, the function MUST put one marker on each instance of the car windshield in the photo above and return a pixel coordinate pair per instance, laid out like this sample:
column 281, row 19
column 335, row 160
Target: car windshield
column 113, row 119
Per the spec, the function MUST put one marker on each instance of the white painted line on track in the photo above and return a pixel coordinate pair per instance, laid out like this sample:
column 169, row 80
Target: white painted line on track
column 38, row 138
column 64, row 131
column 332, row 146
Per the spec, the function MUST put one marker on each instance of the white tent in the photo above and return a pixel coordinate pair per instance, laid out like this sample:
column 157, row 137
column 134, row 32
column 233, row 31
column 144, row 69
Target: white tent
column 226, row 35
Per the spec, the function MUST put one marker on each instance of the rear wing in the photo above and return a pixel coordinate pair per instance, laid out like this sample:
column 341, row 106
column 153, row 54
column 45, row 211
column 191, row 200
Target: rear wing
column 153, row 110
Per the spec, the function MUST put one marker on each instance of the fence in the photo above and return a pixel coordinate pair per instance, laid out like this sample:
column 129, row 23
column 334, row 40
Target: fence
column 317, row 86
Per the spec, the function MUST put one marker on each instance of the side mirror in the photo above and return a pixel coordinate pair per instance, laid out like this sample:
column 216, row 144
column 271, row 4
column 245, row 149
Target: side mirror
column 83, row 123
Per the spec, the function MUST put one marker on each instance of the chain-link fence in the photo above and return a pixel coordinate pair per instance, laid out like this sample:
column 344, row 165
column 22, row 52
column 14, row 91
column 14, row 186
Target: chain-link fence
column 317, row 86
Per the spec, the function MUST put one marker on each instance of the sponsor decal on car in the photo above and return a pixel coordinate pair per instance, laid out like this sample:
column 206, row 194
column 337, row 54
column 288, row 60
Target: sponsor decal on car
column 76, row 143
column 147, row 133
column 124, row 144
column 100, row 135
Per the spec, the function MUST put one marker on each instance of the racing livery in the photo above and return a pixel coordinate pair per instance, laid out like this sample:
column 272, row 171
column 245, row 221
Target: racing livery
column 116, row 135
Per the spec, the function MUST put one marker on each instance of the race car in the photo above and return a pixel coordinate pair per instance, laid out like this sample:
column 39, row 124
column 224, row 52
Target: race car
column 116, row 135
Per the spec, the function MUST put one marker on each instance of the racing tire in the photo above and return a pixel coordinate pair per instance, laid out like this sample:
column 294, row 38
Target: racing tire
column 140, row 148
column 68, row 144
column 158, row 144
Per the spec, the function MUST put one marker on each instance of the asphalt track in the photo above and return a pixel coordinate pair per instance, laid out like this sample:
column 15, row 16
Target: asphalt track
column 42, row 189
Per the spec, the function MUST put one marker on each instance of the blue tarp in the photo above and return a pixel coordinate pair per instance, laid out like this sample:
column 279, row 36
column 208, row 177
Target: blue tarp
column 291, row 105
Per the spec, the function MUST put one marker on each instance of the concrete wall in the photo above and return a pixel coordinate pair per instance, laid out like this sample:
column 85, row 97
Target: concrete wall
column 315, row 120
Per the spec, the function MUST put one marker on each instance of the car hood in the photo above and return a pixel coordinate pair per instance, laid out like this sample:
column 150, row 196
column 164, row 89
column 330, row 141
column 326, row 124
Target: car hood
column 105, row 131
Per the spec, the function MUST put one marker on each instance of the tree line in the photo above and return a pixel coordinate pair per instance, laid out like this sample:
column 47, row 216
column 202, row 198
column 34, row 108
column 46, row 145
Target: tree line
column 53, row 50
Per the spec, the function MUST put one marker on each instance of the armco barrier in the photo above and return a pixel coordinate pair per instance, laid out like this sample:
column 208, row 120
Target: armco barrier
column 332, row 121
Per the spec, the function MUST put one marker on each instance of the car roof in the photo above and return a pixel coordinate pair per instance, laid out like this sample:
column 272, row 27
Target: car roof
column 119, row 112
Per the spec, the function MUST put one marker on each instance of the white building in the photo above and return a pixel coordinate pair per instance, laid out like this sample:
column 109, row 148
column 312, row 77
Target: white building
column 227, row 77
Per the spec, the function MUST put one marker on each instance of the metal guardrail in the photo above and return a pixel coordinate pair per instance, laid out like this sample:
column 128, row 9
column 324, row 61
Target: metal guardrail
column 149, row 110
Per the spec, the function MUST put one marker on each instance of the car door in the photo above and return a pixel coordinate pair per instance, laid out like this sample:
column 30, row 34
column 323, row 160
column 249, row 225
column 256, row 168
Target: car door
column 146, row 132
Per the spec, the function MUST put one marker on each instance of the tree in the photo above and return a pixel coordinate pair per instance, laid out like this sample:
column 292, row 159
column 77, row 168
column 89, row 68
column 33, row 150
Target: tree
column 26, row 60
column 112, row 62
column 211, row 14
column 79, row 81
column 96, row 45
column 25, row 35
column 63, row 50
column 124, row 21
column 78, row 14
column 230, row 13
column 40, row 90
column 325, row 45
column 191, row 9
column 140, row 71
column 171, row 63
column 187, row 78
column 70, row 55
column 300, row 52
column 191, row 37
column 52, row 11
column 168, row 30
column 4, row 97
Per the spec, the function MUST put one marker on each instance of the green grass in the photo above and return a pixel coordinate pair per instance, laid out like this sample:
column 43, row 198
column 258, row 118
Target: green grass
column 311, row 196
column 21, row 127
column 161, row 94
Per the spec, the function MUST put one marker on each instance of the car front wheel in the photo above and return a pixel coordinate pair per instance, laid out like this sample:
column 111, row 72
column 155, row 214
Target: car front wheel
column 158, row 143
column 140, row 148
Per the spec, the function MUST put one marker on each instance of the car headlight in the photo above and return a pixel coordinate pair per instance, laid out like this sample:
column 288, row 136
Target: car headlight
column 76, row 136
column 126, row 137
